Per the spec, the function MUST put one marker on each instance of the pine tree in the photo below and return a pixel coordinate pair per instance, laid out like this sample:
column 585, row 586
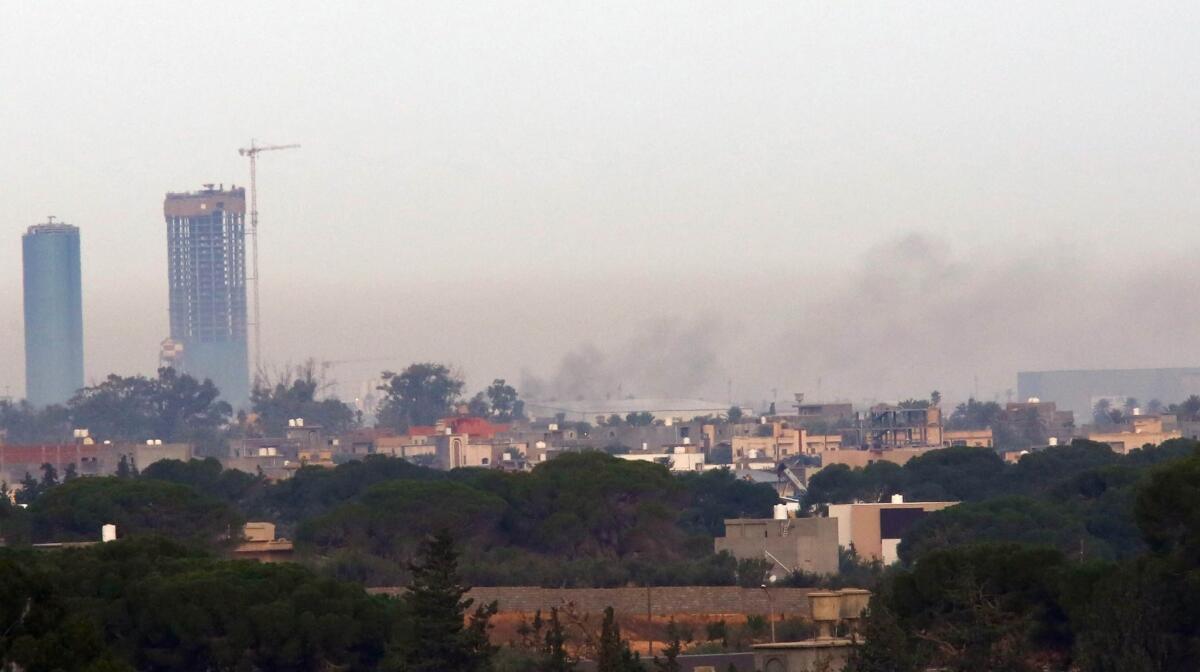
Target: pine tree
column 886, row 648
column 670, row 661
column 531, row 635
column 613, row 655
column 30, row 489
column 49, row 476
column 123, row 467
column 555, row 652
column 439, row 640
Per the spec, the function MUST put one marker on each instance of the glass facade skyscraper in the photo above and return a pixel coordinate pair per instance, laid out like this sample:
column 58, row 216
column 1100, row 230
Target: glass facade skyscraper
column 206, row 266
column 53, row 313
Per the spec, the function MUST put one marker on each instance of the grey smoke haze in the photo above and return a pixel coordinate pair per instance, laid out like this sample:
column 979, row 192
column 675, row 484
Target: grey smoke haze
column 888, row 197
column 915, row 314
column 663, row 358
column 920, row 314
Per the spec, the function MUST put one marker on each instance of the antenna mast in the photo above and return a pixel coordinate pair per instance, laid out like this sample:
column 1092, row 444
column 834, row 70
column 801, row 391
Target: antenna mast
column 252, row 153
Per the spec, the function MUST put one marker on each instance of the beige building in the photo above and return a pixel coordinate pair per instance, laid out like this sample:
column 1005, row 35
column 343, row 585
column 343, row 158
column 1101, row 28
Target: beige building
column 259, row 543
column 681, row 458
column 817, row 444
column 1137, row 432
column 789, row 544
column 90, row 458
column 782, row 442
column 1037, row 418
column 455, row 451
column 854, row 458
column 875, row 530
column 978, row 438
column 406, row 446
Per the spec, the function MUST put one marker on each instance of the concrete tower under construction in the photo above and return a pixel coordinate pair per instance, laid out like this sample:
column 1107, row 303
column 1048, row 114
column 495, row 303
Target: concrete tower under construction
column 206, row 265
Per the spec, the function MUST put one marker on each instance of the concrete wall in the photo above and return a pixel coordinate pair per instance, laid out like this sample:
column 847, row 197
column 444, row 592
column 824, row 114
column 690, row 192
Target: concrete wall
column 829, row 656
column 663, row 601
column 852, row 457
column 808, row 544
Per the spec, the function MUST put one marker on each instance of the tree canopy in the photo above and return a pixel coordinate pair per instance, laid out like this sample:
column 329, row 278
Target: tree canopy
column 965, row 602
column 584, row 518
column 420, row 395
column 77, row 509
column 294, row 395
column 152, row 605
column 172, row 407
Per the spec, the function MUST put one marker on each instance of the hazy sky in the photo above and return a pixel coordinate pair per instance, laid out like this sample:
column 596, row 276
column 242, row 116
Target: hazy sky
column 888, row 196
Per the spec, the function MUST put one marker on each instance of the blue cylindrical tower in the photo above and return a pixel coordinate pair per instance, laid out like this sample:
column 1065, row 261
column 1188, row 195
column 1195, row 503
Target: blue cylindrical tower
column 53, row 313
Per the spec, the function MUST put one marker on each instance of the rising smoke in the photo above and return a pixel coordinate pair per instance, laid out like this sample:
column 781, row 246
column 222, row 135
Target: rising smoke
column 659, row 359
column 915, row 314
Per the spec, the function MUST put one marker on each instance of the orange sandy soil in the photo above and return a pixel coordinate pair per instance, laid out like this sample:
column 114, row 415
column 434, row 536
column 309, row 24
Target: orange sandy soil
column 639, row 631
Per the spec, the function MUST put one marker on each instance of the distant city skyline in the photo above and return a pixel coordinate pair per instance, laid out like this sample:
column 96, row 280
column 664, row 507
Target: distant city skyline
column 672, row 197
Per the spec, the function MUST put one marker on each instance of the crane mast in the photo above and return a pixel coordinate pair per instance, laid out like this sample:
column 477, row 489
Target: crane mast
column 252, row 153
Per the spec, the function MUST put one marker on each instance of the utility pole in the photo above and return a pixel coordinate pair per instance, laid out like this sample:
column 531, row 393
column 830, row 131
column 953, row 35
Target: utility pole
column 770, row 606
column 252, row 152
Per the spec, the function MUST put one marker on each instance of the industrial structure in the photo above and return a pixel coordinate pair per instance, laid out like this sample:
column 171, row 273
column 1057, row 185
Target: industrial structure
column 252, row 153
column 53, row 313
column 206, row 266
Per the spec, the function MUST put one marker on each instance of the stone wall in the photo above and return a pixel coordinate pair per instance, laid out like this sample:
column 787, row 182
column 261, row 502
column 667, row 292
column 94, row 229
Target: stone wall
column 662, row 601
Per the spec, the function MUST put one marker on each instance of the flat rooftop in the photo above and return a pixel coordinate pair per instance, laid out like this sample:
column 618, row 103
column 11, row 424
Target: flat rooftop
column 205, row 201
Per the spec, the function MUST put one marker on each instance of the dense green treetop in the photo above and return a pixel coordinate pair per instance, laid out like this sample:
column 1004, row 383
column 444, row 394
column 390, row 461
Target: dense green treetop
column 76, row 511
column 961, row 605
column 420, row 395
column 294, row 395
column 152, row 605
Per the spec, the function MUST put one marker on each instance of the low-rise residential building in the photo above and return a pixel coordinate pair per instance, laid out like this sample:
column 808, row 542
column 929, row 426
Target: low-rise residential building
column 977, row 438
column 1040, row 421
column 855, row 458
column 1138, row 431
column 89, row 458
column 773, row 440
column 1190, row 429
column 789, row 544
column 824, row 414
column 875, row 530
column 259, row 543
column 680, row 458
column 817, row 444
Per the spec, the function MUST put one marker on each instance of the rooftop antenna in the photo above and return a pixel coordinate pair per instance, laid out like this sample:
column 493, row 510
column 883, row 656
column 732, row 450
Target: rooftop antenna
column 252, row 152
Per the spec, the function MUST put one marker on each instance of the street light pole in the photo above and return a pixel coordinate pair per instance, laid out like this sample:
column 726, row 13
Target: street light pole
column 771, row 608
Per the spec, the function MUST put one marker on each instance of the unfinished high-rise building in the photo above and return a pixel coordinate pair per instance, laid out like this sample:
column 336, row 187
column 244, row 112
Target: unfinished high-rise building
column 206, row 265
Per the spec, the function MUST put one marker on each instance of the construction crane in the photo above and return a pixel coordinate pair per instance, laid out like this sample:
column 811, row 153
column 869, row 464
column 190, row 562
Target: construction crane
column 252, row 152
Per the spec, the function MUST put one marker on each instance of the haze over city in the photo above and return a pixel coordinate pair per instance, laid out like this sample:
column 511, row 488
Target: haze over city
column 675, row 199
